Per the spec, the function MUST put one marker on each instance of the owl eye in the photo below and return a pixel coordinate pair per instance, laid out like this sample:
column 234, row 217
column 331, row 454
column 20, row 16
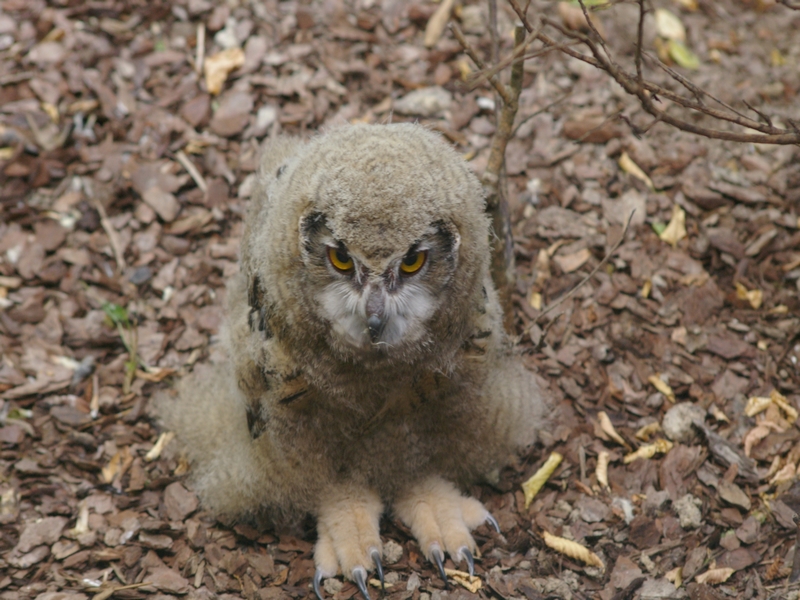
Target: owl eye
column 413, row 261
column 340, row 260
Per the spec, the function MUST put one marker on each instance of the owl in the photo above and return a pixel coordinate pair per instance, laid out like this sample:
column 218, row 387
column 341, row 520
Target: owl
column 368, row 369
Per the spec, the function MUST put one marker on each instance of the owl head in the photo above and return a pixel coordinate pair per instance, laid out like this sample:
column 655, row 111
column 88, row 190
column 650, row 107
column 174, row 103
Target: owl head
column 382, row 244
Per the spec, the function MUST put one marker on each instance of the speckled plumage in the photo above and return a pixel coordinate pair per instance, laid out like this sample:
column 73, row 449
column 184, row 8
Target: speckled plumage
column 316, row 414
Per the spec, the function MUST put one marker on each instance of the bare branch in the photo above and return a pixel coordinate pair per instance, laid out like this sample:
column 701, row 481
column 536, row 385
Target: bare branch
column 496, row 84
column 649, row 94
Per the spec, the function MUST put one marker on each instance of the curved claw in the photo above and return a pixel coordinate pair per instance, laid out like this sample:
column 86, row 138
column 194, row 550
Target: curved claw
column 438, row 558
column 317, row 581
column 465, row 554
column 360, row 577
column 376, row 558
column 493, row 522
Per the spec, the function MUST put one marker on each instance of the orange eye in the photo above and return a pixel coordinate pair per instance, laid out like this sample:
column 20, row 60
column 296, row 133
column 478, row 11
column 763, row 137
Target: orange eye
column 413, row 262
column 340, row 260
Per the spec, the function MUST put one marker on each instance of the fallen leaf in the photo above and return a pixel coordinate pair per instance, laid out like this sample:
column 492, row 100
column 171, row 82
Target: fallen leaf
column 660, row 446
column 470, row 582
column 437, row 23
column 662, row 387
column 601, row 472
column 631, row 168
column 680, row 53
column 646, row 431
column 572, row 262
column 754, row 297
column 715, row 576
column 608, row 428
column 218, row 66
column 669, row 26
column 572, row 549
column 676, row 229
column 154, row 452
column 538, row 479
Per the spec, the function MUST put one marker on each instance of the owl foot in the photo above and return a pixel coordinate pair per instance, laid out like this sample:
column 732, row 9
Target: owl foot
column 441, row 519
column 348, row 539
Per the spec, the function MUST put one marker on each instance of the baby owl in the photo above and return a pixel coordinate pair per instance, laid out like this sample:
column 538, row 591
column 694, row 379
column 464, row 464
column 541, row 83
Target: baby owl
column 368, row 367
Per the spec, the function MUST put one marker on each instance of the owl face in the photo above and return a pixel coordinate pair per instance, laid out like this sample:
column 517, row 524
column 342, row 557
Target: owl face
column 377, row 303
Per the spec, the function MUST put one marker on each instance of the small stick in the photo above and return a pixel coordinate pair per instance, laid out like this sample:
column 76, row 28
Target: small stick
column 201, row 48
column 583, row 281
column 187, row 164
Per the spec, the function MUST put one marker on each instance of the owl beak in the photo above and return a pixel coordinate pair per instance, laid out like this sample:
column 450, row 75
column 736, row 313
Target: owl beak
column 375, row 325
column 376, row 318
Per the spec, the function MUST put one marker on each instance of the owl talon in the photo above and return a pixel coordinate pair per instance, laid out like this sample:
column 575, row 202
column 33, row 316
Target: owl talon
column 493, row 522
column 376, row 558
column 438, row 558
column 360, row 577
column 466, row 555
column 317, row 581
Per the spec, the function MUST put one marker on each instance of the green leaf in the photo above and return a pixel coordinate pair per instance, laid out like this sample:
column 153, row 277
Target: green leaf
column 682, row 55
column 20, row 413
column 658, row 227
column 118, row 314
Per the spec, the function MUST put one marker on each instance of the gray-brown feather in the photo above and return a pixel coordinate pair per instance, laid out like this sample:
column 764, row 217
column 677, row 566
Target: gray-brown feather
column 297, row 409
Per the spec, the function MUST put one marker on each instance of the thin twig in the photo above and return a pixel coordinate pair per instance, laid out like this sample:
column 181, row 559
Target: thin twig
column 648, row 92
column 640, row 44
column 187, row 164
column 542, row 110
column 496, row 83
column 583, row 281
column 113, row 237
column 201, row 48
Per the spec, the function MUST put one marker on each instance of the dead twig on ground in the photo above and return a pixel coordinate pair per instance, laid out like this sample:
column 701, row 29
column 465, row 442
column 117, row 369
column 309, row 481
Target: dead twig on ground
column 583, row 281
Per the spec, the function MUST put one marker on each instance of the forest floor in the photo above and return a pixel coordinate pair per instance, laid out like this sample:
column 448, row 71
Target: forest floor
column 123, row 186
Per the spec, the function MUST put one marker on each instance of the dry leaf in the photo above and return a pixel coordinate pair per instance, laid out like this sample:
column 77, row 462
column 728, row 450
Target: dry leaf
column 669, row 26
column 717, row 413
column 218, row 66
column 787, row 473
column 715, row 576
column 662, row 387
column 756, row 404
column 437, row 23
column 601, row 472
column 675, row 576
column 646, row 431
column 113, row 467
column 155, row 374
column 472, row 583
column 572, row 549
column 538, row 479
column 536, row 300
column 682, row 56
column 573, row 18
column 647, row 286
column 608, row 428
column 783, row 404
column 676, row 229
column 631, row 168
column 754, row 297
column 755, row 435
column 82, row 522
column 164, row 439
column 572, row 262
column 649, row 451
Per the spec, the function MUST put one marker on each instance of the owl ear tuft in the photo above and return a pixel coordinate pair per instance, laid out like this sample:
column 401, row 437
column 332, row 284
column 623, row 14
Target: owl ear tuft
column 311, row 225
